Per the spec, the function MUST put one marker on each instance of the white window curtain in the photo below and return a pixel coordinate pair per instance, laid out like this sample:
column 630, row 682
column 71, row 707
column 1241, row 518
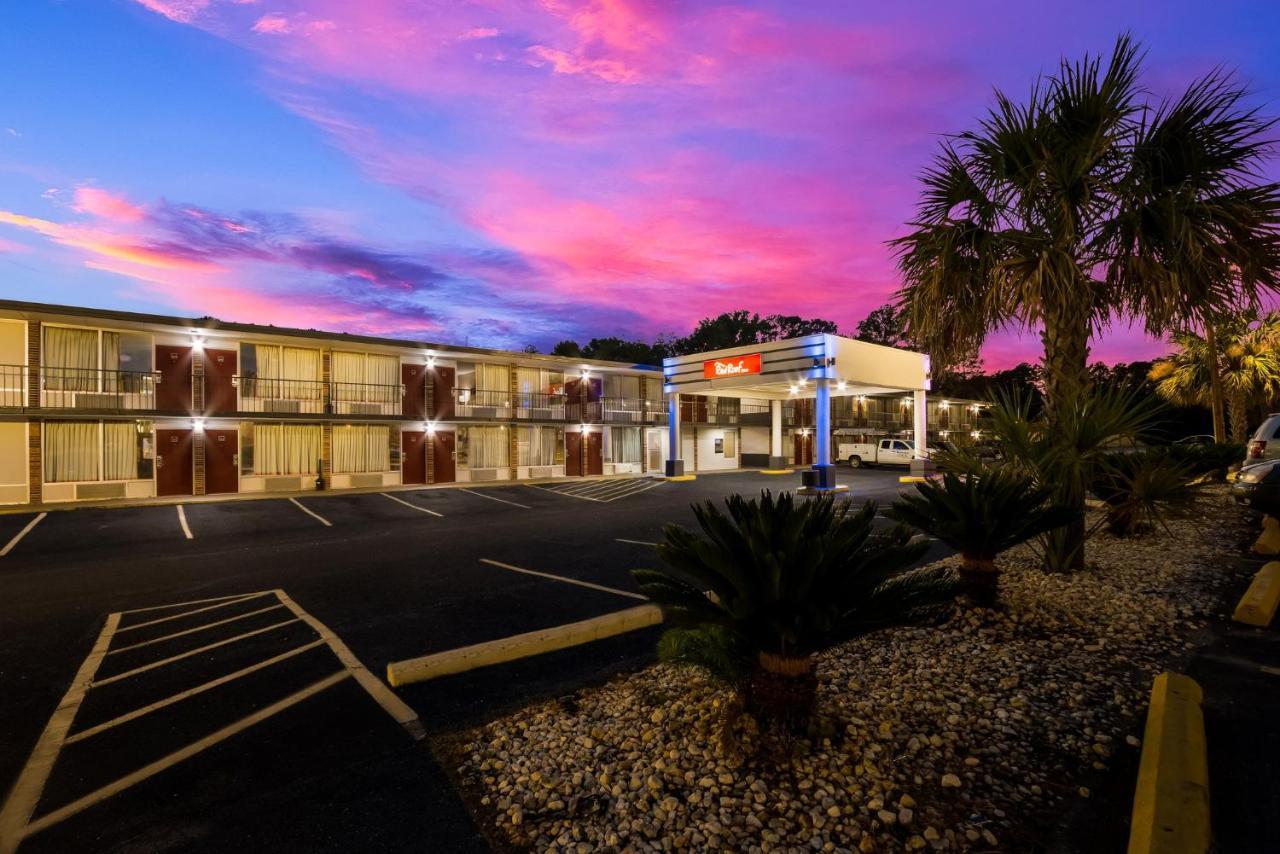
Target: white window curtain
column 620, row 386
column 119, row 451
column 71, row 451
column 487, row 448
column 301, row 370
column 383, row 375
column 537, row 446
column 361, row 448
column 347, row 371
column 286, row 448
column 71, row 359
column 493, row 377
column 529, row 381
column 624, row 444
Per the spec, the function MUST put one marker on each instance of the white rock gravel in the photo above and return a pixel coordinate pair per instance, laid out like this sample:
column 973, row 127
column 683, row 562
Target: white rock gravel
column 968, row 736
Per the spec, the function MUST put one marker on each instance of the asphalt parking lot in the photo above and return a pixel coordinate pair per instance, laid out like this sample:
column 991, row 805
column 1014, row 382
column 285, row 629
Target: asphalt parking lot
column 201, row 676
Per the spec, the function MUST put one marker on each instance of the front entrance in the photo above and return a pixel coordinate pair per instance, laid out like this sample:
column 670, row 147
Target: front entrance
column 442, row 380
column 173, row 393
column 414, row 381
column 443, row 457
column 219, row 381
column 173, row 462
column 221, row 462
column 804, row 448
column 573, row 453
column 413, row 456
column 595, row 452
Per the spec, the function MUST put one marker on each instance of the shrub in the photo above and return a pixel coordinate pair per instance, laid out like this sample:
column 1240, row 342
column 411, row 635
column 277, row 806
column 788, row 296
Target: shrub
column 1209, row 461
column 980, row 516
column 771, row 582
column 1142, row 490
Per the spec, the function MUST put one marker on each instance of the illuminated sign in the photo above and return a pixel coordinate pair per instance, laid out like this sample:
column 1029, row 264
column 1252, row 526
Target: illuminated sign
column 713, row 369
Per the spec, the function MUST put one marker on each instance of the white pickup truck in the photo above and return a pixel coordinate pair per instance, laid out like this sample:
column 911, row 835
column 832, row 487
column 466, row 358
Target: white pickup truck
column 885, row 452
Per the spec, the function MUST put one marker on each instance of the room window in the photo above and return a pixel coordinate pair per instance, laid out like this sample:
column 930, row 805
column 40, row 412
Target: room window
column 285, row 448
column 482, row 447
column 361, row 448
column 82, row 451
column 539, row 446
column 624, row 444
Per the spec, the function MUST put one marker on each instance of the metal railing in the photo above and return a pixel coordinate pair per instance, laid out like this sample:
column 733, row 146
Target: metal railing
column 97, row 388
column 280, row 396
column 366, row 398
column 13, row 386
column 539, row 406
column 623, row 410
column 482, row 403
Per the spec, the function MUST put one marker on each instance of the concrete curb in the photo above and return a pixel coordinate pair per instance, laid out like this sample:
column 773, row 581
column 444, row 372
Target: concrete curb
column 521, row 646
column 682, row 478
column 1171, row 803
column 1258, row 605
column 1269, row 540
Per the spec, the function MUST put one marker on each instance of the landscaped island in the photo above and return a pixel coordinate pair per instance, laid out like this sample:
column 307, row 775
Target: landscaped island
column 978, row 734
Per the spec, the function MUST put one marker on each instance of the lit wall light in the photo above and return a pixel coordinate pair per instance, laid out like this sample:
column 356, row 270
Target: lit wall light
column 841, row 385
column 197, row 344
column 430, row 428
column 198, row 424
column 431, row 361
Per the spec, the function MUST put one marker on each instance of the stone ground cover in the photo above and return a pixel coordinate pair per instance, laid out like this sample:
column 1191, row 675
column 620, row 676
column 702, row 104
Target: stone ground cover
column 975, row 735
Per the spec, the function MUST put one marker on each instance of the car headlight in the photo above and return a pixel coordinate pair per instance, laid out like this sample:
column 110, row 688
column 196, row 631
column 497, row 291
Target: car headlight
column 1252, row 476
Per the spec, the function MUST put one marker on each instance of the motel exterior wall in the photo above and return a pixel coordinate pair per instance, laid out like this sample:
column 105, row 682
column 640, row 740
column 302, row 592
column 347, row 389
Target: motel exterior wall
column 200, row 418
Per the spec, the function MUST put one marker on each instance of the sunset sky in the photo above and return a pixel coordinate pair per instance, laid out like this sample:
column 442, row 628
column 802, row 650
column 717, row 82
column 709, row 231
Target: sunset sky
column 505, row 173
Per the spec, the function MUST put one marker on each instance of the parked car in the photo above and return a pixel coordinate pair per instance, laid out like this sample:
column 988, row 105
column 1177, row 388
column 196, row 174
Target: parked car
column 1265, row 444
column 1258, row 486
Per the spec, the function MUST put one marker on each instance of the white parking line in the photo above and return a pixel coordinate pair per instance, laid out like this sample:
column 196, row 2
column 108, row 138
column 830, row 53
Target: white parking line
column 575, row 581
column 220, row 603
column 182, row 520
column 195, row 602
column 312, row 513
column 637, row 542
column 81, row 804
column 171, row 659
column 25, row 793
column 566, row 493
column 200, row 628
column 408, row 504
column 492, row 498
column 17, row 538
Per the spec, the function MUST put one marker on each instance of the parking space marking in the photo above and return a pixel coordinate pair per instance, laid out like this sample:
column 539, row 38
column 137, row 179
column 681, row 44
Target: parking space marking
column 26, row 792
column 17, row 538
column 177, row 756
column 494, row 498
column 566, row 580
column 194, row 602
column 191, row 692
column 602, row 491
column 200, row 628
column 376, row 688
column 182, row 520
column 637, row 542
column 410, row 505
column 220, row 603
column 563, row 492
column 312, row 513
column 171, row 659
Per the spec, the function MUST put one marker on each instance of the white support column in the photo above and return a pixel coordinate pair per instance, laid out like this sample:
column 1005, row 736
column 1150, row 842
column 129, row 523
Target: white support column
column 920, row 463
column 777, row 460
column 675, row 465
column 822, row 445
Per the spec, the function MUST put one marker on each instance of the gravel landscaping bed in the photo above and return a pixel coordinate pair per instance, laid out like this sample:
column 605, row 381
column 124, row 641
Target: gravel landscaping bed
column 975, row 735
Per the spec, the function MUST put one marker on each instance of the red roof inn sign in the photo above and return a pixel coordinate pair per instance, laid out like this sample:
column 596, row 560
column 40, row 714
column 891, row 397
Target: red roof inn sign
column 736, row 366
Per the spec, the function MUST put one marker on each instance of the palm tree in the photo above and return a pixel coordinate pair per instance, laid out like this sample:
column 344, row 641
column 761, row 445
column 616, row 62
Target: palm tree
column 1247, row 367
column 1085, row 205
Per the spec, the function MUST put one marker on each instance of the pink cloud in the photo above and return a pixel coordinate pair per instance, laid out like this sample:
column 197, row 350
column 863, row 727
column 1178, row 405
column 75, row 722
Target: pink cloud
column 272, row 25
column 101, row 203
column 180, row 11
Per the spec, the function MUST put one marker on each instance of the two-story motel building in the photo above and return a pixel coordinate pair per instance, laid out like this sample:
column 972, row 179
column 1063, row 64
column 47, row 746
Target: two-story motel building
column 109, row 405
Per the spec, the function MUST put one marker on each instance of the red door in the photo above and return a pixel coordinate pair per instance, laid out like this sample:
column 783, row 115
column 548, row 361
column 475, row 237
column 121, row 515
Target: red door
column 573, row 453
column 413, row 457
column 443, row 456
column 804, row 449
column 219, row 387
column 221, row 461
column 413, row 377
column 595, row 452
column 173, row 462
column 174, row 391
column 693, row 408
column 442, row 394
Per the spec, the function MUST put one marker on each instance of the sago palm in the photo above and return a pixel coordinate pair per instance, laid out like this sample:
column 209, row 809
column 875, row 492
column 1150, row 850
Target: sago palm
column 1083, row 205
column 980, row 516
column 771, row 582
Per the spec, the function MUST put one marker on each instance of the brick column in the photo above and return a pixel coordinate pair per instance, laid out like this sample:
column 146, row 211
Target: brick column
column 35, row 469
column 34, row 336
column 197, row 461
column 197, row 382
column 431, row 457
column 326, row 430
column 644, row 424
column 326, row 453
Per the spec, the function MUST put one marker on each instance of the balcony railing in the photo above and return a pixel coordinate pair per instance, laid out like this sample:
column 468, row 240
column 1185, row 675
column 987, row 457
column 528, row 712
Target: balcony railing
column 482, row 403
column 623, row 410
column 280, row 396
column 97, row 389
column 366, row 398
column 13, row 386
column 539, row 406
